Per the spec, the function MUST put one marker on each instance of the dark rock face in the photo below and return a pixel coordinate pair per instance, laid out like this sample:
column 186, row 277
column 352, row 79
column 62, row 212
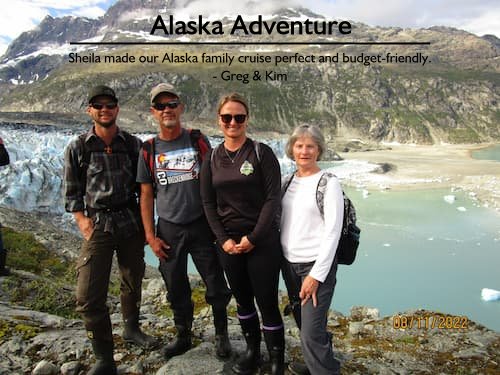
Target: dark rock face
column 384, row 168
column 52, row 31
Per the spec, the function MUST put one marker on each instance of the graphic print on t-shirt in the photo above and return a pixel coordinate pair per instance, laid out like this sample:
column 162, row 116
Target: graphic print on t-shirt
column 176, row 166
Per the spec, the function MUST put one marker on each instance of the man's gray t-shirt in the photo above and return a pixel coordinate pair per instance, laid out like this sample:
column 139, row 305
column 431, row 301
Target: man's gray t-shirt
column 177, row 171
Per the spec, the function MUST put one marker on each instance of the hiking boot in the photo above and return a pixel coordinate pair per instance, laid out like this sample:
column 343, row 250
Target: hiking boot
column 4, row 271
column 298, row 368
column 275, row 342
column 180, row 345
column 105, row 364
column 222, row 346
column 222, row 343
column 249, row 361
column 132, row 334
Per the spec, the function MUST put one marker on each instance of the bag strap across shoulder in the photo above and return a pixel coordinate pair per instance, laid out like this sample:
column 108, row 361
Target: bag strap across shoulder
column 321, row 190
column 85, row 154
column 148, row 152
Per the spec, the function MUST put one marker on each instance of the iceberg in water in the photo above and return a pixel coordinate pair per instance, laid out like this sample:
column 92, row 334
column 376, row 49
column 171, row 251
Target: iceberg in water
column 449, row 199
column 490, row 294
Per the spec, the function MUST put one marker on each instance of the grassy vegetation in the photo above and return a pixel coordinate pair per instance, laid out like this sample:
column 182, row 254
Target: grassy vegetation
column 53, row 297
column 407, row 340
column 449, row 73
column 8, row 329
column 51, row 291
column 463, row 135
column 25, row 253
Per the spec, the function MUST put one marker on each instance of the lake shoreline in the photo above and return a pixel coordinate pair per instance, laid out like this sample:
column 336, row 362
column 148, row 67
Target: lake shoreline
column 419, row 167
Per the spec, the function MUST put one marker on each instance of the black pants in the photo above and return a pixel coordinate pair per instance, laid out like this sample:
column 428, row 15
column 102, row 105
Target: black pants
column 196, row 239
column 256, row 275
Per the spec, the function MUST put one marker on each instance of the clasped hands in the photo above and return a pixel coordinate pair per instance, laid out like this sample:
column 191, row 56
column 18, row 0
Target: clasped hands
column 244, row 246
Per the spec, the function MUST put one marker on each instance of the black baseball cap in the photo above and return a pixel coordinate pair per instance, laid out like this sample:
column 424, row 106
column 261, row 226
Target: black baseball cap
column 102, row 90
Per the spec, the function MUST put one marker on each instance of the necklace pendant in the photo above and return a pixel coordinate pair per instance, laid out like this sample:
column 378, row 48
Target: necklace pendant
column 229, row 156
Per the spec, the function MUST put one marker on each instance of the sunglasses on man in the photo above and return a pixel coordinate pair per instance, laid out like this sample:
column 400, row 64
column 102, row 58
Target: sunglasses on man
column 161, row 106
column 227, row 118
column 100, row 106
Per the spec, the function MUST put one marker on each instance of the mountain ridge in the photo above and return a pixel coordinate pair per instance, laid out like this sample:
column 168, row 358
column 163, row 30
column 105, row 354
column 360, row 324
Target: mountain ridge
column 453, row 99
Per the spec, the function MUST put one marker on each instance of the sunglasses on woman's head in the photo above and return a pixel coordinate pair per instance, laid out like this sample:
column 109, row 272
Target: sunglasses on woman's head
column 226, row 118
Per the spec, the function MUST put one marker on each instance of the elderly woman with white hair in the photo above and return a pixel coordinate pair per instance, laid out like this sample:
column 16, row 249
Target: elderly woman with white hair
column 310, row 241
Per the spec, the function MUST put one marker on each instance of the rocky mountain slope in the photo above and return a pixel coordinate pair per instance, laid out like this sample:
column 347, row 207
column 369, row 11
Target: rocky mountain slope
column 453, row 98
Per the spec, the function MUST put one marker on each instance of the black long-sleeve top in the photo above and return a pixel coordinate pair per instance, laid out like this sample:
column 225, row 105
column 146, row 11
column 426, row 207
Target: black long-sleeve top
column 241, row 195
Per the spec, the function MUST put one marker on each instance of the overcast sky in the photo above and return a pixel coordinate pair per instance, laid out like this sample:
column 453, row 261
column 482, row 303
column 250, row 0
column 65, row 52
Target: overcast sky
column 479, row 17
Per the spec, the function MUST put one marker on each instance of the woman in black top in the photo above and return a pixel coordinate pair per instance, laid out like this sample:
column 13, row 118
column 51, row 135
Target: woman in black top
column 240, row 188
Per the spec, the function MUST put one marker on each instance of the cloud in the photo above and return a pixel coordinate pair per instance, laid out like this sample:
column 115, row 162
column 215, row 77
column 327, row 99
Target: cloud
column 4, row 44
column 479, row 17
column 243, row 7
column 216, row 9
column 486, row 23
column 89, row 12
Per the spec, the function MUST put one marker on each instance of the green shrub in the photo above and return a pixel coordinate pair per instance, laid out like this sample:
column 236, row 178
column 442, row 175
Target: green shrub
column 26, row 253
column 49, row 292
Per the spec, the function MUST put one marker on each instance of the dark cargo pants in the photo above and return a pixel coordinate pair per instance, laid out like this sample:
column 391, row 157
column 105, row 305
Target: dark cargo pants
column 196, row 239
column 94, row 268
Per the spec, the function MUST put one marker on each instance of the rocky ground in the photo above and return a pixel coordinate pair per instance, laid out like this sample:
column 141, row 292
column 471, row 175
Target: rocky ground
column 365, row 343
column 39, row 343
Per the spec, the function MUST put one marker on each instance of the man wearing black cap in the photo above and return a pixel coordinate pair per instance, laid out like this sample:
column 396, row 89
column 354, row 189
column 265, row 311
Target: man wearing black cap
column 170, row 173
column 101, row 193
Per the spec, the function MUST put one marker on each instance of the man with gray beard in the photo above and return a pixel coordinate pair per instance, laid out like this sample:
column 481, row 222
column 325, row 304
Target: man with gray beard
column 101, row 192
column 168, row 170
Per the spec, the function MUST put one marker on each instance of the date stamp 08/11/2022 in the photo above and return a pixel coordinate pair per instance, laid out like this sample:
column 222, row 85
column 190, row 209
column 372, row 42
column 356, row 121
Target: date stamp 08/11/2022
column 430, row 321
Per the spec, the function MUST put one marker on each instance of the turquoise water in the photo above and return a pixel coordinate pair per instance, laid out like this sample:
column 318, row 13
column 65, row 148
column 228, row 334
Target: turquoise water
column 489, row 153
column 418, row 251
